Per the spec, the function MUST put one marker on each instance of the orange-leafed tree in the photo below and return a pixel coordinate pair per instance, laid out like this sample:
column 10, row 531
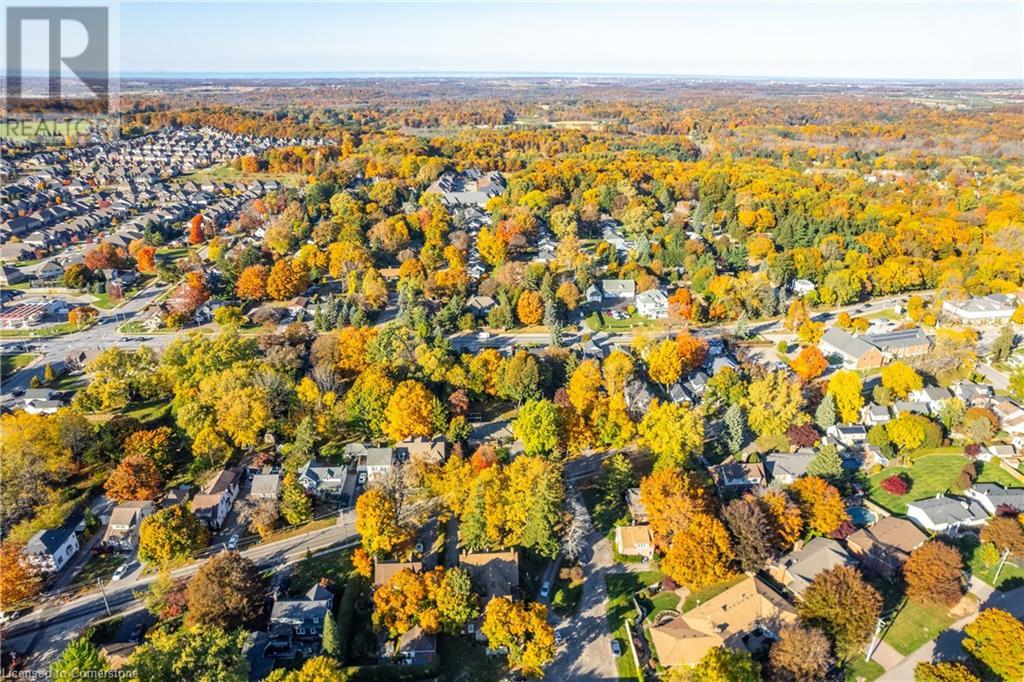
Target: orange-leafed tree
column 784, row 518
column 934, row 574
column 530, row 308
column 287, row 279
column 692, row 350
column 19, row 579
column 410, row 412
column 672, row 497
column 145, row 259
column 135, row 478
column 252, row 282
column 700, row 553
column 195, row 230
column 680, row 304
column 820, row 503
column 810, row 363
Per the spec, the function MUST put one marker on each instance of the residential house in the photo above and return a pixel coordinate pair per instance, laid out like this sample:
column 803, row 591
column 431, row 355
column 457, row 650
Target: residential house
column 738, row 476
column 973, row 395
column 123, row 527
column 932, row 396
column 994, row 308
column 372, row 461
column 800, row 567
column 884, row 546
column 787, row 467
column 637, row 510
column 652, row 304
column 634, row 541
column 212, row 505
column 414, row 647
column 494, row 574
column 802, row 287
column 847, row 435
column 854, row 351
column 425, row 450
column 618, row 288
column 943, row 513
column 747, row 617
column 479, row 306
column 51, row 549
column 383, row 571
column 901, row 407
column 902, row 343
column 299, row 621
column 322, row 479
column 993, row 496
column 1011, row 416
column 638, row 397
column 872, row 414
column 265, row 486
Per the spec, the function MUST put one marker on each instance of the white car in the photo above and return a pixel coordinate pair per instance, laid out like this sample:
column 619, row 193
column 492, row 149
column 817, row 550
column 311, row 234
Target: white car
column 483, row 336
column 545, row 589
column 121, row 571
column 233, row 542
column 361, row 479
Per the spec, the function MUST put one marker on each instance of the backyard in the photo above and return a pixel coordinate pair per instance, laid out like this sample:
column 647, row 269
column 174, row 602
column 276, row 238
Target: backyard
column 930, row 475
column 621, row 587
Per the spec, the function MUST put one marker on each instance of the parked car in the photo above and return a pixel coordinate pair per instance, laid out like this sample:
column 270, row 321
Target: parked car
column 137, row 633
column 361, row 478
column 121, row 571
column 545, row 589
column 233, row 542
column 616, row 648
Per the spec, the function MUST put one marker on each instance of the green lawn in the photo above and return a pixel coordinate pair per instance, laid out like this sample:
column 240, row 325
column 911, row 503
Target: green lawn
column 663, row 601
column 148, row 412
column 463, row 660
column 10, row 364
column 621, row 587
column 710, row 592
column 930, row 475
column 335, row 566
column 859, row 669
column 1011, row 575
column 54, row 330
column 916, row 624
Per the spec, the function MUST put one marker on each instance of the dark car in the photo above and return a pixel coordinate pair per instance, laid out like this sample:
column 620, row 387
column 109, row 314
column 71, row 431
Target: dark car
column 137, row 632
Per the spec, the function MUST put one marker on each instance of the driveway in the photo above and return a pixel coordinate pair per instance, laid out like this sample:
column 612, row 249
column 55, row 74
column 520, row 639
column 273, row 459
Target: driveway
column 586, row 652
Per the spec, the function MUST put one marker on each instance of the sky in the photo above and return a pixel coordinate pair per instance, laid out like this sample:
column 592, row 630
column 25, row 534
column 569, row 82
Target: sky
column 919, row 40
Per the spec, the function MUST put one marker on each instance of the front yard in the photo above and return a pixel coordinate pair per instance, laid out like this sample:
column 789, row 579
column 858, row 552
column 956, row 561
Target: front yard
column 931, row 475
column 916, row 624
column 621, row 587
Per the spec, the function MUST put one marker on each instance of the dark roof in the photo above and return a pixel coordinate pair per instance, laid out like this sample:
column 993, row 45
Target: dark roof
column 48, row 541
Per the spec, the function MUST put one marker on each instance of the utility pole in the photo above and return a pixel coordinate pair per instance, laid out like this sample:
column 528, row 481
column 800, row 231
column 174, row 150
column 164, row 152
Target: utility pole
column 874, row 639
column 99, row 581
column 1006, row 553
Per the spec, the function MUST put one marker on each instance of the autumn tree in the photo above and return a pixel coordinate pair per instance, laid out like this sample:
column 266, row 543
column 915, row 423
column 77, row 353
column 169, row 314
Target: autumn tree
column 81, row 659
column 901, row 379
column 801, row 654
column 19, row 578
column 530, row 308
column 844, row 606
column 539, row 427
column 203, row 654
column 379, row 523
column 1006, row 533
column 784, row 517
column 664, row 364
column 156, row 444
column 296, row 507
column 672, row 497
column 820, row 504
column 455, row 600
column 905, row 432
column 934, row 574
column 145, row 259
column 171, row 535
column 672, row 431
column 195, row 230
column 692, row 351
column 845, row 388
column 810, row 363
column 412, row 411
column 287, row 279
column 773, row 404
column 226, row 591
column 751, row 532
column 943, row 671
column 252, row 283
column 725, row 664
column 135, row 478
column 996, row 638
column 699, row 553
column 523, row 630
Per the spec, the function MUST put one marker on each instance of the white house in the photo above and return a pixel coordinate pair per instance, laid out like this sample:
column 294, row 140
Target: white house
column 321, row 479
column 618, row 288
column 652, row 304
column 993, row 308
column 1011, row 415
column 941, row 514
column 372, row 461
column 215, row 501
column 932, row 396
column 51, row 549
column 802, row 287
column 123, row 527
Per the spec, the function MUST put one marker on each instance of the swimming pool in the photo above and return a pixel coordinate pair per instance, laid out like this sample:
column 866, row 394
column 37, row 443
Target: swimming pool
column 861, row 516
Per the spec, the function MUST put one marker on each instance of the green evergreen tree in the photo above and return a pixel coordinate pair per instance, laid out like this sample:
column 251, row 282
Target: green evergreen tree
column 735, row 423
column 826, row 464
column 825, row 415
column 1003, row 345
column 79, row 660
column 331, row 644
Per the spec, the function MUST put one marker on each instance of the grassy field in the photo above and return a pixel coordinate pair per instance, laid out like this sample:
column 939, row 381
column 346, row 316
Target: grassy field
column 930, row 475
column 10, row 364
column 621, row 587
column 859, row 669
column 463, row 660
column 55, row 330
column 335, row 566
column 916, row 624
column 663, row 601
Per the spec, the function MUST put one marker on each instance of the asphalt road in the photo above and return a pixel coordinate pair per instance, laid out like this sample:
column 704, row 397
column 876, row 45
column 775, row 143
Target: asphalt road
column 45, row 632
